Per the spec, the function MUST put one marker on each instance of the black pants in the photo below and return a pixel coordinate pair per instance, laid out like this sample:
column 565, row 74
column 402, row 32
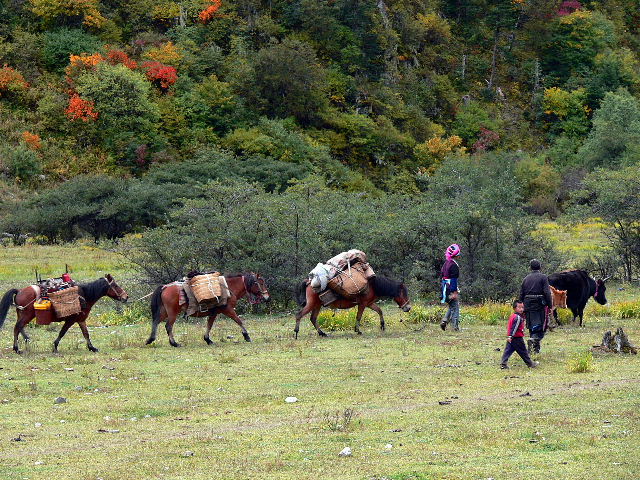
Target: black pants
column 516, row 345
column 537, row 325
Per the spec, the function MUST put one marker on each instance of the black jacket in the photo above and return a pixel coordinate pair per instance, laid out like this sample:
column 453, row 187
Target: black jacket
column 536, row 283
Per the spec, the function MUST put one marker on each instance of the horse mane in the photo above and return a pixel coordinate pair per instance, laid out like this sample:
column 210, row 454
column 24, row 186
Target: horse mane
column 385, row 287
column 94, row 290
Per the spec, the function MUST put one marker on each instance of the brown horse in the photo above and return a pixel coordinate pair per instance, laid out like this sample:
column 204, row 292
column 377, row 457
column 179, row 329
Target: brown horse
column 165, row 305
column 378, row 287
column 90, row 293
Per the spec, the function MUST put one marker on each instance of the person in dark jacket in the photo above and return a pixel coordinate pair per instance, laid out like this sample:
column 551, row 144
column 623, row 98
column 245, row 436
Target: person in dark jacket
column 536, row 295
column 515, row 337
column 449, row 288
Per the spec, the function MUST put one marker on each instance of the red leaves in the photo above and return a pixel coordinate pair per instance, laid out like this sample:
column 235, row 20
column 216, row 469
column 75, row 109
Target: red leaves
column 210, row 12
column 118, row 57
column 161, row 75
column 80, row 109
column 568, row 7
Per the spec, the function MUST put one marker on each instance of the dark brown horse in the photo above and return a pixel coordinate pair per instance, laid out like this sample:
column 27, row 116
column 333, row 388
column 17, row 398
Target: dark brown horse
column 90, row 293
column 165, row 305
column 378, row 287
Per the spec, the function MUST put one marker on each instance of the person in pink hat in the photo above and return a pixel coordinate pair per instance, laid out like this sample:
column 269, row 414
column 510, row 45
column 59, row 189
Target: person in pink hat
column 449, row 288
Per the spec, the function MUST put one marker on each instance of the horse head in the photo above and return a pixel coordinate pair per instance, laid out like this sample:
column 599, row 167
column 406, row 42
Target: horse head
column 257, row 287
column 115, row 291
column 402, row 298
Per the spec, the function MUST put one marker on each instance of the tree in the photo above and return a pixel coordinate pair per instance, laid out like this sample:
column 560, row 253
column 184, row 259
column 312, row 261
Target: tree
column 614, row 139
column 60, row 44
column 575, row 40
column 614, row 196
column 127, row 118
column 289, row 79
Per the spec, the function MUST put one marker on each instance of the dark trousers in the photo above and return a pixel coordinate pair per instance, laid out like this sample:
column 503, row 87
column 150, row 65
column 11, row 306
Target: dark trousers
column 516, row 345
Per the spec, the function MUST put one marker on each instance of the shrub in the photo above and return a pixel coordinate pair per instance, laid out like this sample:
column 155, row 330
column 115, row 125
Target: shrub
column 423, row 314
column 11, row 82
column 581, row 362
column 60, row 44
column 22, row 162
column 341, row 320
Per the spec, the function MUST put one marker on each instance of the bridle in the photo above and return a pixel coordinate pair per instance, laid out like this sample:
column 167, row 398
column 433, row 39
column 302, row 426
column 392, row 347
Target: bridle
column 404, row 304
column 117, row 289
column 253, row 298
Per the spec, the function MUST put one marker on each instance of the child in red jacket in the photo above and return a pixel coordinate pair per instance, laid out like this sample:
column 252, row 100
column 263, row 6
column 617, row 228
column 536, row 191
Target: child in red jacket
column 515, row 337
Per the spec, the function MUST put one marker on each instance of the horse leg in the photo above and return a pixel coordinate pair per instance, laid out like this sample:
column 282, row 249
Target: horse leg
column 24, row 335
column 358, row 318
column 378, row 310
column 314, row 321
column 306, row 309
column 154, row 325
column 581, row 314
column 63, row 330
column 169, row 327
column 231, row 313
column 85, row 333
column 210, row 321
column 20, row 323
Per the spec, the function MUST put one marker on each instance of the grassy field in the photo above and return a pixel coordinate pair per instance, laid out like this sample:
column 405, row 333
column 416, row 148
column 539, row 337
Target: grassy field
column 577, row 241
column 412, row 403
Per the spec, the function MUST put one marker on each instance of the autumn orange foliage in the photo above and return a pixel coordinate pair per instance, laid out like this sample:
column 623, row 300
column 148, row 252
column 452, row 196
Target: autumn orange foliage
column 80, row 109
column 210, row 12
column 32, row 140
column 11, row 81
column 79, row 64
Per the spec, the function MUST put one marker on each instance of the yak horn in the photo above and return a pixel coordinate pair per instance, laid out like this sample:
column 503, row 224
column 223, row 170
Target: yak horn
column 607, row 278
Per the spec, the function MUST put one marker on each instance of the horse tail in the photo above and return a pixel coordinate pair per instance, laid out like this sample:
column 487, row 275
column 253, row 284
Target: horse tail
column 301, row 293
column 6, row 303
column 156, row 304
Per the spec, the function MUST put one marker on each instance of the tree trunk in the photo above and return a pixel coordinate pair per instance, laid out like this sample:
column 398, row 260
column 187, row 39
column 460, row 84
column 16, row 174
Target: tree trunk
column 618, row 343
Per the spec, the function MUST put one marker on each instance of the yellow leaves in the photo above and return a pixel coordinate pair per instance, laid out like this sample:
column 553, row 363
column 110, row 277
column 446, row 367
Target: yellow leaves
column 51, row 10
column 168, row 54
column 561, row 102
column 436, row 28
column 166, row 12
column 432, row 152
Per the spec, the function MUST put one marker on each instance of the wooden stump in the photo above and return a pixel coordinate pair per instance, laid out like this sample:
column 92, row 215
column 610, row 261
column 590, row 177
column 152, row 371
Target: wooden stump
column 618, row 343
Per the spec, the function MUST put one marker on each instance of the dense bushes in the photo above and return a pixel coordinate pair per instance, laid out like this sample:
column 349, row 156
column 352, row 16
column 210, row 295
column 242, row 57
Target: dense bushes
column 235, row 226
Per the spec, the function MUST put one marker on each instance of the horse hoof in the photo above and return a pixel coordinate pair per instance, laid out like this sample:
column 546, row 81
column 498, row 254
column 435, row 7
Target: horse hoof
column 150, row 341
column 295, row 334
column 208, row 340
column 322, row 334
column 246, row 336
column 18, row 351
column 93, row 349
column 174, row 344
column 359, row 332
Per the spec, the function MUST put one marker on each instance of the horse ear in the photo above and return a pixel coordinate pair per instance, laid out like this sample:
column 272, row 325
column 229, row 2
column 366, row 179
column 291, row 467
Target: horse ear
column 108, row 277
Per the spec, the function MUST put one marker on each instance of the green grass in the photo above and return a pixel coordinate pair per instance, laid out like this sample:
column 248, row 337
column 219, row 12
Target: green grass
column 138, row 412
column 226, row 405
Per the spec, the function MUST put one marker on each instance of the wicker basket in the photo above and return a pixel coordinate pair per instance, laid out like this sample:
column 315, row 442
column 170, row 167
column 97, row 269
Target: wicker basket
column 66, row 302
column 350, row 282
column 206, row 287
